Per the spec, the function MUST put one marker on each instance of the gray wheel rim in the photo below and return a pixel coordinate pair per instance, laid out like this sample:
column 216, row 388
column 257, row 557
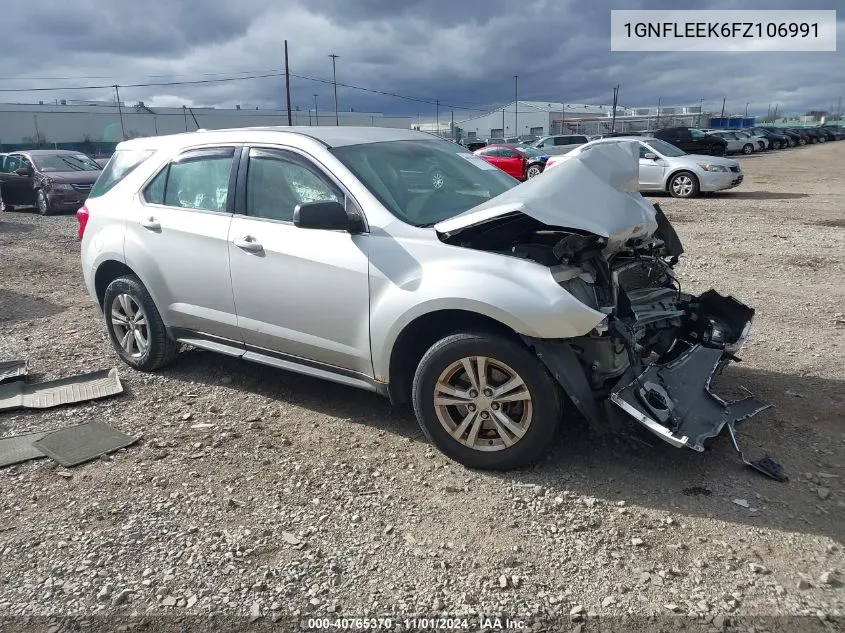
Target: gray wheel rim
column 483, row 404
column 747, row 149
column 533, row 171
column 42, row 202
column 130, row 326
column 682, row 186
column 437, row 179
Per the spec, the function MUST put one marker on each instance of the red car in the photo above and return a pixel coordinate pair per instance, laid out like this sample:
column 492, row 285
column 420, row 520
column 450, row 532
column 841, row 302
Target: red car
column 520, row 162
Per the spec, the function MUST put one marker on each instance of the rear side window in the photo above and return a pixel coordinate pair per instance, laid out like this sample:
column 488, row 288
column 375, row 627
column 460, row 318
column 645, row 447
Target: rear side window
column 122, row 163
column 198, row 179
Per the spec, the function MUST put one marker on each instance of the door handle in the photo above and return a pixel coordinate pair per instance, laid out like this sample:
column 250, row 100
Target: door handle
column 248, row 243
column 151, row 223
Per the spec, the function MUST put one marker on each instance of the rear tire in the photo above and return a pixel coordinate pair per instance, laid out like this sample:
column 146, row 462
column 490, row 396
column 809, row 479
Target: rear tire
column 493, row 432
column 134, row 324
column 684, row 184
column 718, row 150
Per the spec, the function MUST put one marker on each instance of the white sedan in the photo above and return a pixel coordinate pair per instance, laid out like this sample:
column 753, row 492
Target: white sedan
column 664, row 167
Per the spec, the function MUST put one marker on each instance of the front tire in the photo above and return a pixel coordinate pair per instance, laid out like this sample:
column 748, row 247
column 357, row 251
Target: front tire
column 486, row 401
column 533, row 171
column 43, row 203
column 684, row 184
column 748, row 148
column 134, row 324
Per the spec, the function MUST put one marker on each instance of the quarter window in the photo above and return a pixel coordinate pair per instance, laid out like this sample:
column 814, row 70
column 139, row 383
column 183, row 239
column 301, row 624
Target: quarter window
column 278, row 181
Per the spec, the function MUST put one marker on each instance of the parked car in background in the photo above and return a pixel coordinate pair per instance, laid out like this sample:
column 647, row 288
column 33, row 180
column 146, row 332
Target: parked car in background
column 760, row 142
column 496, row 141
column 490, row 306
column 474, row 144
column 802, row 137
column 837, row 131
column 520, row 162
column 665, row 167
column 736, row 144
column 693, row 140
column 559, row 144
column 776, row 141
column 827, row 133
column 527, row 139
column 50, row 180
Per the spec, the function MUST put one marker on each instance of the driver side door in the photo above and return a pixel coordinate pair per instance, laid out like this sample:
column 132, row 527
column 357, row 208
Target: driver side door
column 17, row 190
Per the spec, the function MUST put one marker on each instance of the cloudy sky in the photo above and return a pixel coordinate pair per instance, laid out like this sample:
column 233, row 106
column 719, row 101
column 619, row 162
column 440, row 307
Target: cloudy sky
column 462, row 52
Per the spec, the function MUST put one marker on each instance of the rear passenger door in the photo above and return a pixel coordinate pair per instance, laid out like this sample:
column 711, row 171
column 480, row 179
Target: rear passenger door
column 177, row 241
column 302, row 295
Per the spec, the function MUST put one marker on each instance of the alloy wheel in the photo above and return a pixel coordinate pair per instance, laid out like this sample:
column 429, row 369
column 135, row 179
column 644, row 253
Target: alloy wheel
column 130, row 325
column 682, row 186
column 42, row 203
column 483, row 403
column 533, row 171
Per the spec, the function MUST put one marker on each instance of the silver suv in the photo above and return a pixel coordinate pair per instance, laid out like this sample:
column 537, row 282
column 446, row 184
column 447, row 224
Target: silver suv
column 395, row 262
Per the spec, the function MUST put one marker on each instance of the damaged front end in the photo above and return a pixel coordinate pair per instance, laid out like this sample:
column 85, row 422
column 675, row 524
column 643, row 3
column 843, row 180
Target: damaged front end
column 658, row 350
column 655, row 354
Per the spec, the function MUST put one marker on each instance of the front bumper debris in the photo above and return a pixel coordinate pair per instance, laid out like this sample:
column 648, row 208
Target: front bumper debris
column 674, row 400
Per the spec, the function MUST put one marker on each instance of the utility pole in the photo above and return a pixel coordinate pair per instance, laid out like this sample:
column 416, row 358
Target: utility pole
column 503, row 121
column 437, row 105
column 452, row 126
column 334, row 81
column 316, row 113
column 185, row 114
column 700, row 111
column 287, row 84
column 657, row 123
column 722, row 116
column 37, row 132
column 120, row 112
column 615, row 101
column 746, row 111
column 516, row 105
column 562, row 116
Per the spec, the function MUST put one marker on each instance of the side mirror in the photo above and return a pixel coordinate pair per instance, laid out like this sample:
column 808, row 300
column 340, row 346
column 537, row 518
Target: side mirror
column 328, row 216
column 650, row 156
column 22, row 171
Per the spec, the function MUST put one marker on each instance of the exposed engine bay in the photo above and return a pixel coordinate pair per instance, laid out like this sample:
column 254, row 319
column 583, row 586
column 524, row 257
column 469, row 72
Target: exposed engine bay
column 656, row 353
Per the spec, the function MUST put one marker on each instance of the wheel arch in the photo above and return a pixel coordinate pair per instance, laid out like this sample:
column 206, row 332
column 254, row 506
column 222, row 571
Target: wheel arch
column 422, row 332
column 106, row 273
column 677, row 171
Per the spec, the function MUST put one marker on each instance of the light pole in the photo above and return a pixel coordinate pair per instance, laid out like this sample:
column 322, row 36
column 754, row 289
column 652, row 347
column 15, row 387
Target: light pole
column 746, row 111
column 316, row 113
column 657, row 123
column 334, row 81
column 516, row 105
column 700, row 111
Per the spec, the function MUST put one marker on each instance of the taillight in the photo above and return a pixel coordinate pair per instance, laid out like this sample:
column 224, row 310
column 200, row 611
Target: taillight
column 82, row 218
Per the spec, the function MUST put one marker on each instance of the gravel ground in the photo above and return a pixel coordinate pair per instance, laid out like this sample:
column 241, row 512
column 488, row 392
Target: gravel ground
column 259, row 493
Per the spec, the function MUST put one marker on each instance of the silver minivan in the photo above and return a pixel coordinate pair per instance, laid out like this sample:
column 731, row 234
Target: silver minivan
column 399, row 263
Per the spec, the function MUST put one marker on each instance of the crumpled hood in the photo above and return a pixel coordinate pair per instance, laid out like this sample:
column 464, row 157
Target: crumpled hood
column 72, row 177
column 594, row 191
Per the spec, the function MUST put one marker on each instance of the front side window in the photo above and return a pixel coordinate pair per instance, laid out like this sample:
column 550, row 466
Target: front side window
column 277, row 181
column 196, row 180
column 10, row 164
column 422, row 182
column 696, row 133
column 665, row 149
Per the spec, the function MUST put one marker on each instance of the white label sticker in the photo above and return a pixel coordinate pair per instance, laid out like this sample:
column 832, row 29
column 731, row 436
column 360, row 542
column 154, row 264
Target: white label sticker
column 477, row 161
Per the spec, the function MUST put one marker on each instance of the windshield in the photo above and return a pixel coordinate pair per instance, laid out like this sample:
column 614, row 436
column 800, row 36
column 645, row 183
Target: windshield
column 530, row 152
column 65, row 162
column 664, row 148
column 424, row 182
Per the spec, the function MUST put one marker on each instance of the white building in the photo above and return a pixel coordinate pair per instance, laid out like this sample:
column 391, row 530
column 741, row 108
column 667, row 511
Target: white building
column 541, row 117
column 99, row 126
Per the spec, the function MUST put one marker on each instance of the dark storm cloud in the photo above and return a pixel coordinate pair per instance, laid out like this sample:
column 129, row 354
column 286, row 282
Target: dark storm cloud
column 463, row 53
